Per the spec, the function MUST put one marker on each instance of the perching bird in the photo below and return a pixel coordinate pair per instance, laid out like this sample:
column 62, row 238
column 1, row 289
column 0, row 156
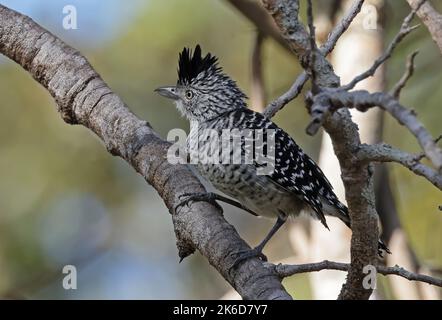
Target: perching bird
column 210, row 99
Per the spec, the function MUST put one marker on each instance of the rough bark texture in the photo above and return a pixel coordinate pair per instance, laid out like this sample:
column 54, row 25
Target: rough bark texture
column 83, row 98
column 331, row 100
column 432, row 20
column 325, row 49
column 357, row 176
column 354, row 53
column 285, row 13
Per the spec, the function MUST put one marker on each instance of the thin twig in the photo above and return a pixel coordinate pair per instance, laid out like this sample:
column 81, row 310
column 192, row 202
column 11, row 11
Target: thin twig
column 341, row 27
column 289, row 270
column 403, row 31
column 386, row 153
column 296, row 88
column 332, row 99
column 291, row 94
column 313, row 47
column 409, row 70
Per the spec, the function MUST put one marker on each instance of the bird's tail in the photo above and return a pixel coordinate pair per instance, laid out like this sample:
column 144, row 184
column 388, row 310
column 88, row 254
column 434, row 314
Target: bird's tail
column 339, row 210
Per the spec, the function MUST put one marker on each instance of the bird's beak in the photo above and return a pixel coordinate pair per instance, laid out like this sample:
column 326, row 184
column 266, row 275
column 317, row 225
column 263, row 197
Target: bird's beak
column 168, row 92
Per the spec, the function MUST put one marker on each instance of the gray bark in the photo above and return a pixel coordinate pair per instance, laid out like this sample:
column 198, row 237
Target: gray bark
column 356, row 175
column 355, row 52
column 83, row 98
column 431, row 19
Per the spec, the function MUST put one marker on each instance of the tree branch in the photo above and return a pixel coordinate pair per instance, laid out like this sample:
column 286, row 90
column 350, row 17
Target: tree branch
column 276, row 105
column 357, row 176
column 409, row 70
column 284, row 270
column 330, row 100
column 313, row 47
column 431, row 19
column 403, row 31
column 253, row 11
column 279, row 103
column 386, row 153
column 83, row 98
column 285, row 13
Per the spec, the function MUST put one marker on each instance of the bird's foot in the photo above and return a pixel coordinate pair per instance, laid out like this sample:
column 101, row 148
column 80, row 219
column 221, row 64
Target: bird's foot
column 248, row 254
column 209, row 197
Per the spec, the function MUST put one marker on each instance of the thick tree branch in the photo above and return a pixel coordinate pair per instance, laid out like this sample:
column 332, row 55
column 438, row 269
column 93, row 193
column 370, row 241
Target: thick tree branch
column 362, row 100
column 431, row 19
column 82, row 97
column 289, row 270
column 253, row 11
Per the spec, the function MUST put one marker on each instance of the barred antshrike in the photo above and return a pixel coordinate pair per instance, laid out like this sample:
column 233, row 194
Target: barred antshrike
column 212, row 100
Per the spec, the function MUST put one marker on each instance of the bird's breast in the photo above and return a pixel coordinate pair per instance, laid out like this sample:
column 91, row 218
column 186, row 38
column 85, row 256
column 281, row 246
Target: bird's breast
column 256, row 192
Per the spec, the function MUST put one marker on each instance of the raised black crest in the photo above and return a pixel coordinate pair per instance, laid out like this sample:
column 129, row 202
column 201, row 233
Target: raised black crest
column 190, row 66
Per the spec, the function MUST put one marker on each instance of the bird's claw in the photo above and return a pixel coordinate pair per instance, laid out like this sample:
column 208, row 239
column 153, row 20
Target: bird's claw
column 208, row 197
column 184, row 202
column 248, row 254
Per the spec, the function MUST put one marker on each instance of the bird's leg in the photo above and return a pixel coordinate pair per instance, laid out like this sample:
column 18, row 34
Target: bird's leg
column 211, row 197
column 257, row 251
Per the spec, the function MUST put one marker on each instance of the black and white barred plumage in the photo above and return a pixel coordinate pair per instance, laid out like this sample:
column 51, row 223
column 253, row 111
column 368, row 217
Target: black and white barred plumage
column 212, row 100
column 296, row 183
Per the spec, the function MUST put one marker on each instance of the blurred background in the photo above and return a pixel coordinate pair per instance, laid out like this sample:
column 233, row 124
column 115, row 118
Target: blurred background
column 65, row 200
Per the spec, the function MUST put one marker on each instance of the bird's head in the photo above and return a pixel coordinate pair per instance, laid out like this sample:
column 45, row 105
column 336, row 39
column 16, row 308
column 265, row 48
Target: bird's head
column 203, row 92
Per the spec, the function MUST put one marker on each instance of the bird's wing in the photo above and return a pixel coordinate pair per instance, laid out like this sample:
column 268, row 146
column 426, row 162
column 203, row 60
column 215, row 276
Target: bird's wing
column 294, row 170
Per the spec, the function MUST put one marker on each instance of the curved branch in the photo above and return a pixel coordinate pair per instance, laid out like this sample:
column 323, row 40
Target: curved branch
column 285, row 13
column 342, row 26
column 356, row 176
column 404, row 30
column 289, row 270
column 409, row 70
column 386, row 153
column 253, row 11
column 296, row 88
column 331, row 100
column 82, row 97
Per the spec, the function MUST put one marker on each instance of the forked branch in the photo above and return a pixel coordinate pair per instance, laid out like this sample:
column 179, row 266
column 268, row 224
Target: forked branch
column 286, row 270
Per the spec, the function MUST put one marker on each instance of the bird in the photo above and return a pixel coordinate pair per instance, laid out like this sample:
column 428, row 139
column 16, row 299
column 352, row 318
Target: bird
column 213, row 102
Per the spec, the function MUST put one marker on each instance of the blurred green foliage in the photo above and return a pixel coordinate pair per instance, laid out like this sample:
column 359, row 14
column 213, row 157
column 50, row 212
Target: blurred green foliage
column 52, row 173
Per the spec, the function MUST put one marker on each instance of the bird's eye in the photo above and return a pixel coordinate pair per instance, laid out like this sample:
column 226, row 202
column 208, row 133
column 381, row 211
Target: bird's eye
column 189, row 94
